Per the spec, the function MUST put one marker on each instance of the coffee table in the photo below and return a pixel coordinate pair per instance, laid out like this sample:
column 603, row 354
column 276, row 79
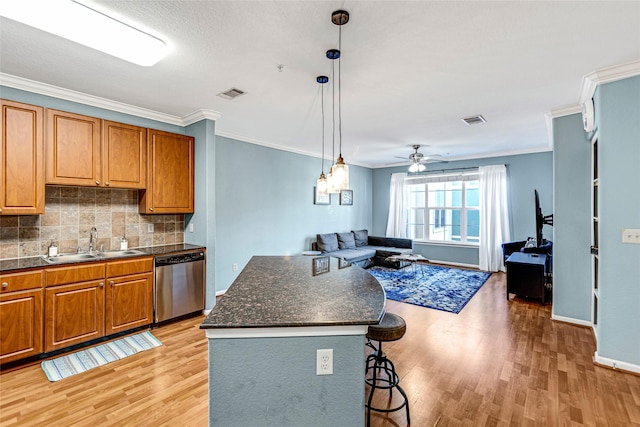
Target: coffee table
column 411, row 258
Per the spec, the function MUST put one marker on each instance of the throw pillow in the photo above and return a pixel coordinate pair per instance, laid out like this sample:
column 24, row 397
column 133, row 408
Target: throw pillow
column 346, row 241
column 327, row 242
column 361, row 237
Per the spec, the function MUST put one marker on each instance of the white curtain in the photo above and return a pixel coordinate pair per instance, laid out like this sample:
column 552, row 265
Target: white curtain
column 397, row 221
column 494, row 216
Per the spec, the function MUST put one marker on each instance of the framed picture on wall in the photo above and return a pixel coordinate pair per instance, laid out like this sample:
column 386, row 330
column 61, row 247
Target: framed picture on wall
column 321, row 199
column 346, row 197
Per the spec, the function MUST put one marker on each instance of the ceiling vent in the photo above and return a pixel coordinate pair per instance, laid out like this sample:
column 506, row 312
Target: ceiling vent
column 474, row 120
column 231, row 93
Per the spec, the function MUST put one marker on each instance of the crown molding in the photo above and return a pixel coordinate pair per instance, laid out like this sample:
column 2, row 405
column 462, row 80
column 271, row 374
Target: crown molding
column 564, row 111
column 606, row 75
column 96, row 101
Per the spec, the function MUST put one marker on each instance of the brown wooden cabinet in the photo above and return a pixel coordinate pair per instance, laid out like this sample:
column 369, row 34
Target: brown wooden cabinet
column 21, row 159
column 74, row 305
column 124, row 155
column 86, row 151
column 21, row 315
column 170, row 182
column 72, row 148
column 129, row 299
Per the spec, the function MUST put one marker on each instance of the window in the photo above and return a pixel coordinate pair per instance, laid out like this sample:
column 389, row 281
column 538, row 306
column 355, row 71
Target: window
column 445, row 208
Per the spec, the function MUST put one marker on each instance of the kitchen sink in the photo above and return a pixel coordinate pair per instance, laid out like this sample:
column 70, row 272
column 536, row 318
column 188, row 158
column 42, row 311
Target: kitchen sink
column 65, row 258
column 69, row 258
column 118, row 254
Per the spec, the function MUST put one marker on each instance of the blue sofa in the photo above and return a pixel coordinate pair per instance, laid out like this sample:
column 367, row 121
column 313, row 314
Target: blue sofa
column 363, row 250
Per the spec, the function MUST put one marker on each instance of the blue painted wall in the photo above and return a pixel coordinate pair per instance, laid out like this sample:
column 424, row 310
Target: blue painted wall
column 572, row 219
column 264, row 205
column 525, row 172
column 618, row 121
column 274, row 380
column 203, row 220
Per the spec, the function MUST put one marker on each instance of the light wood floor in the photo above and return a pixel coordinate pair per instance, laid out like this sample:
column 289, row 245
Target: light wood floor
column 495, row 363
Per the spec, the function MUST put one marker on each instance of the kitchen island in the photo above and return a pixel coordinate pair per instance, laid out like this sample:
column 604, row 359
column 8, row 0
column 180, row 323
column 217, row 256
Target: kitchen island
column 263, row 340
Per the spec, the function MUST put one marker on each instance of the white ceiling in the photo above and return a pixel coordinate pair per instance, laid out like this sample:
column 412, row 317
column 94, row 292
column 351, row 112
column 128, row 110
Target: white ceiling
column 410, row 69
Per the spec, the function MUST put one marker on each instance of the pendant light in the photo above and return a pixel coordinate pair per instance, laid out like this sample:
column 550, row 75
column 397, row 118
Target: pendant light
column 339, row 171
column 321, row 183
column 332, row 186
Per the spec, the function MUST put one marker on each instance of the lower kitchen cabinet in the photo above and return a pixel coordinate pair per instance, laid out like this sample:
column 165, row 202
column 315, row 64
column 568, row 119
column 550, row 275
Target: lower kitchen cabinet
column 74, row 314
column 129, row 302
column 57, row 307
column 21, row 315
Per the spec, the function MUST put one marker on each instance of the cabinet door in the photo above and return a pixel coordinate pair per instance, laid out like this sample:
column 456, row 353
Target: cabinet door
column 129, row 302
column 21, row 317
column 74, row 314
column 21, row 159
column 169, row 174
column 72, row 149
column 124, row 155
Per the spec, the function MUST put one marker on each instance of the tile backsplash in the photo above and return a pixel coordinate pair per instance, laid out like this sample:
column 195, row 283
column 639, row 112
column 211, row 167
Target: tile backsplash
column 70, row 212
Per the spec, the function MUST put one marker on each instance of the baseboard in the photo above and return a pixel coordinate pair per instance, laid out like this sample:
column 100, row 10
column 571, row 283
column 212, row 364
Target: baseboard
column 456, row 264
column 571, row 320
column 615, row 364
column 220, row 293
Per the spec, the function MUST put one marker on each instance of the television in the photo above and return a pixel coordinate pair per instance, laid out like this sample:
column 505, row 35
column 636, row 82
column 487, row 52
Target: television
column 541, row 219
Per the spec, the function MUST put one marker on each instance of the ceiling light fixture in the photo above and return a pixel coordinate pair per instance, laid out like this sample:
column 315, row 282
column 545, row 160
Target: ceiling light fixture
column 339, row 171
column 321, row 183
column 82, row 24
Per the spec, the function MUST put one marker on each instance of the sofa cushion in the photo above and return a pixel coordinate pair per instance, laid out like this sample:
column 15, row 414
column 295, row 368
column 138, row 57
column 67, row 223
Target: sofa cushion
column 354, row 255
column 327, row 242
column 361, row 237
column 346, row 241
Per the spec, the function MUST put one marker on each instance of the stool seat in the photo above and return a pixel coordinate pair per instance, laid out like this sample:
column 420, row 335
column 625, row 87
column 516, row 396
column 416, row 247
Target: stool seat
column 391, row 328
column 380, row 374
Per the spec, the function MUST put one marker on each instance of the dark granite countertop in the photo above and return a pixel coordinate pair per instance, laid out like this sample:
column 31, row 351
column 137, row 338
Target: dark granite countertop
column 8, row 265
column 281, row 291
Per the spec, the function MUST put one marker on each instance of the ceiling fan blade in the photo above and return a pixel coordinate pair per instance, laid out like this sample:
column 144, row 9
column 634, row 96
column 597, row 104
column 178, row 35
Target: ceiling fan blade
column 397, row 164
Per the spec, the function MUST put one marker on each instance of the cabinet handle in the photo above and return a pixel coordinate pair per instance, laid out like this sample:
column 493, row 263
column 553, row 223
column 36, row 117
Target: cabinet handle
column 112, row 282
column 0, row 209
column 97, row 182
column 151, row 209
column 4, row 285
column 101, row 284
column 106, row 183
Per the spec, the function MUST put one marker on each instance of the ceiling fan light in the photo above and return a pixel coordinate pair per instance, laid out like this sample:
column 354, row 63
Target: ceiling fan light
column 413, row 168
column 81, row 24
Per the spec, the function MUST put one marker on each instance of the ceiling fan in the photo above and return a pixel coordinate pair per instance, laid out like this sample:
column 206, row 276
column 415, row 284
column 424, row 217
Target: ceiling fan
column 417, row 160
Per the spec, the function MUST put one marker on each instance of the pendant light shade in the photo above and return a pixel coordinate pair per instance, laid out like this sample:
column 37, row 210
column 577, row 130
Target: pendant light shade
column 340, row 172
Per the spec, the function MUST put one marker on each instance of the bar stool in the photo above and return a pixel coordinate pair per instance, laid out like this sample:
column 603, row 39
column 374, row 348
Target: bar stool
column 391, row 328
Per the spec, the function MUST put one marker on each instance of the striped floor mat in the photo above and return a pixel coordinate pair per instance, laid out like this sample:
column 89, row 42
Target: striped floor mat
column 83, row 360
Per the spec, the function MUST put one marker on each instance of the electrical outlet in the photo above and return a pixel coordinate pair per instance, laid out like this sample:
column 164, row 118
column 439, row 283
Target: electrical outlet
column 191, row 228
column 631, row 235
column 234, row 267
column 324, row 362
column 149, row 228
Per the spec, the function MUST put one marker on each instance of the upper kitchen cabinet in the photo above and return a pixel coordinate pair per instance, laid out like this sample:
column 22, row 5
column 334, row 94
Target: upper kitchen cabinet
column 124, row 155
column 169, row 174
column 72, row 148
column 21, row 159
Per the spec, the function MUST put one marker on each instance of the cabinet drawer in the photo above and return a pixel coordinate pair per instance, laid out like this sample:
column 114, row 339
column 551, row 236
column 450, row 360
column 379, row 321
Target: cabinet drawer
column 130, row 266
column 20, row 281
column 74, row 274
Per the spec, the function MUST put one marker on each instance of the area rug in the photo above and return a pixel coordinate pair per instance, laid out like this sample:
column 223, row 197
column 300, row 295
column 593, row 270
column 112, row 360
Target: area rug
column 83, row 360
column 441, row 288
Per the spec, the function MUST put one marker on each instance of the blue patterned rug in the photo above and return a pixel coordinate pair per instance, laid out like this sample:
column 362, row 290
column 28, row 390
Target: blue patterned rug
column 442, row 288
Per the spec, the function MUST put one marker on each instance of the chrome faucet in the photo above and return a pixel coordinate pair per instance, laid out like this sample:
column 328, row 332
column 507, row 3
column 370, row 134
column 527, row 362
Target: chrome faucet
column 92, row 242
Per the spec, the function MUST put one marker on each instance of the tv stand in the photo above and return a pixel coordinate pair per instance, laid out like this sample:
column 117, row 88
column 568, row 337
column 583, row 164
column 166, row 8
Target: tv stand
column 526, row 275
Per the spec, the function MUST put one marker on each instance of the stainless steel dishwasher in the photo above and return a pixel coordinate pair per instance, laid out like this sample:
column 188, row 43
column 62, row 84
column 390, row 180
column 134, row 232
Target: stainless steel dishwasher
column 179, row 285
